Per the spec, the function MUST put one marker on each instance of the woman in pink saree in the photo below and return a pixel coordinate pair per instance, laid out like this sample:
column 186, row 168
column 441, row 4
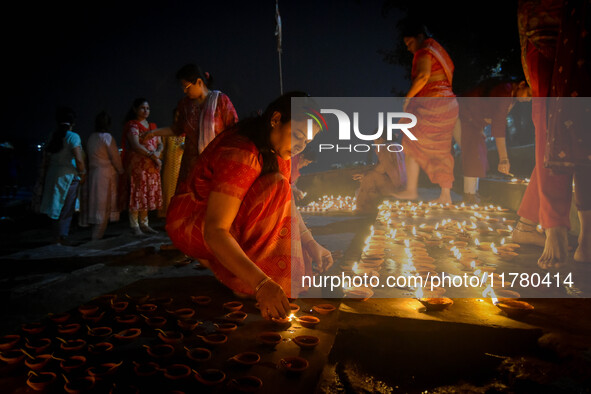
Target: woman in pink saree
column 432, row 75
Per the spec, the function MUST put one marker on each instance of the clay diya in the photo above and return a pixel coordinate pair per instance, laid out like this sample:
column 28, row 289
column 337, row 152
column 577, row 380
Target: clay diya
column 68, row 329
column 38, row 362
column 281, row 321
column 119, row 306
column 72, row 345
column 72, row 363
column 145, row 369
column 9, row 341
column 100, row 332
column 308, row 321
column 33, row 328
column 423, row 259
column 188, row 324
column 295, row 308
column 503, row 294
column 38, row 345
column 138, row 299
column 183, row 313
column 163, row 301
column 436, row 304
column 306, row 341
column 435, row 292
column 324, row 309
column 360, row 294
column 201, row 300
column 424, row 266
column 104, row 369
column 105, row 298
column 213, row 339
column 100, row 348
column 79, row 385
column 127, row 319
column 225, row 327
column 294, row 364
column 270, row 338
column 246, row 384
column 160, row 351
column 484, row 246
column 236, row 316
column 507, row 255
column 59, row 318
column 88, row 309
column 246, row 358
column 177, row 371
column 12, row 356
column 146, row 308
column 94, row 318
column 233, row 305
column 155, row 321
column 199, row 354
column 39, row 381
column 514, row 308
column 170, row 336
column 128, row 334
column 210, row 377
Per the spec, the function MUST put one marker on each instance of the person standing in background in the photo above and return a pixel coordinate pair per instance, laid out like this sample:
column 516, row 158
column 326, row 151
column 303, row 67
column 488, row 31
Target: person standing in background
column 65, row 170
column 202, row 114
column 172, row 156
column 104, row 163
column 141, row 160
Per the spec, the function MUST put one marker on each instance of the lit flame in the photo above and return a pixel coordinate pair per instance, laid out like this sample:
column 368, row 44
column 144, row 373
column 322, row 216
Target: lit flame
column 476, row 242
column 291, row 317
column 493, row 248
column 490, row 293
column 419, row 293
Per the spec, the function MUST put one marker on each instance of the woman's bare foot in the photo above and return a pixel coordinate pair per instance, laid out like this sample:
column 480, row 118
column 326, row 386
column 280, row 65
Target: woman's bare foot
column 444, row 197
column 526, row 233
column 555, row 251
column 583, row 252
column 406, row 195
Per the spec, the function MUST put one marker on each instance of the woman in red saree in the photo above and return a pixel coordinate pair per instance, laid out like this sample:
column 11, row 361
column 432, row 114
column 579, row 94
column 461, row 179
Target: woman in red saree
column 432, row 74
column 202, row 114
column 556, row 57
column 141, row 161
column 234, row 211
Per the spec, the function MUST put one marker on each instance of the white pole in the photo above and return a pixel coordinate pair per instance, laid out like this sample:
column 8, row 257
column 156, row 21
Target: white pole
column 279, row 38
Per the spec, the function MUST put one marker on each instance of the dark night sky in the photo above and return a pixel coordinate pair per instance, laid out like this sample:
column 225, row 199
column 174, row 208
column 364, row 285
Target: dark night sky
column 101, row 55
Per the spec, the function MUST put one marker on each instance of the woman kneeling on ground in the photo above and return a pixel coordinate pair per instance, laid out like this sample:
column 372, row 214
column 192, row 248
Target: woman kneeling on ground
column 234, row 211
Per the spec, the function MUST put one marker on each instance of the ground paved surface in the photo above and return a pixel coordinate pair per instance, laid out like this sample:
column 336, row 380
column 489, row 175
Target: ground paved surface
column 380, row 345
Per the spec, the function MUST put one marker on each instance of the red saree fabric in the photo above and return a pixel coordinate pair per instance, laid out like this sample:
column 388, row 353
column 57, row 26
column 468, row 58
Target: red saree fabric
column 189, row 112
column 140, row 186
column 473, row 115
column 231, row 165
column 547, row 198
column 436, row 118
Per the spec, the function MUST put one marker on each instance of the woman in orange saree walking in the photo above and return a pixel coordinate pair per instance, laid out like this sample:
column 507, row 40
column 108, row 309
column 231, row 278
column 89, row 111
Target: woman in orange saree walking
column 432, row 74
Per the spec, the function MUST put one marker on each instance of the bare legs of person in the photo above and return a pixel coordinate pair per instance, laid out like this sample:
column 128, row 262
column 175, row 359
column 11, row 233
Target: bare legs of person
column 525, row 232
column 412, row 180
column 583, row 251
column 555, row 251
column 444, row 197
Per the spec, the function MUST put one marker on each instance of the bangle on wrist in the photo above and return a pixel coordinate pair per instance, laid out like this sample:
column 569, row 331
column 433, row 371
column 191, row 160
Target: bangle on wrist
column 261, row 284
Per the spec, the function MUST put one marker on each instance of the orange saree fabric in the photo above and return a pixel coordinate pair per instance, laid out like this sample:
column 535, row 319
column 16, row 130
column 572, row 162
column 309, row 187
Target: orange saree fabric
column 436, row 118
column 263, row 226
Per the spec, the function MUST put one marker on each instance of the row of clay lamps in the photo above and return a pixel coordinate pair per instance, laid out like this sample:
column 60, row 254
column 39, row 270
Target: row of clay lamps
column 77, row 352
